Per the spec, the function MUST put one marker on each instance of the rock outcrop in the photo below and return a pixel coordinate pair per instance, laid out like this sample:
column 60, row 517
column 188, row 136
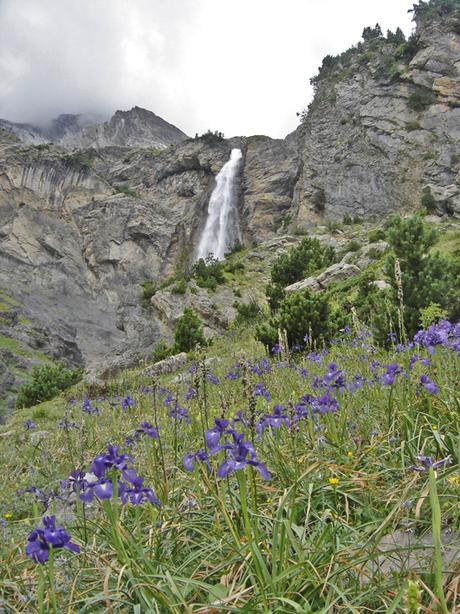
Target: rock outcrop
column 384, row 124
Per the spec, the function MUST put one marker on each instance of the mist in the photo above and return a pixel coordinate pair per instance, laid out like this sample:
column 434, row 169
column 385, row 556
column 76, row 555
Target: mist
column 239, row 67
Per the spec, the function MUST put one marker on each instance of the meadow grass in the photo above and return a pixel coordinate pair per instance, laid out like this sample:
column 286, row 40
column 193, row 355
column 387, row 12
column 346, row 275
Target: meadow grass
column 355, row 439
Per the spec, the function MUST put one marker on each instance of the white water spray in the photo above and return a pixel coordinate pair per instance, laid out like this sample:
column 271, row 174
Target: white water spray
column 222, row 228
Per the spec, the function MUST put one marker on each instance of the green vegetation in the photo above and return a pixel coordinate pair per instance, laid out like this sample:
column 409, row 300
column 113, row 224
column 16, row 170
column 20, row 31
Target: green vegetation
column 428, row 201
column 81, row 160
column 425, row 278
column 208, row 272
column 296, row 264
column 421, row 99
column 126, row 190
column 47, row 382
column 188, row 333
column 344, row 478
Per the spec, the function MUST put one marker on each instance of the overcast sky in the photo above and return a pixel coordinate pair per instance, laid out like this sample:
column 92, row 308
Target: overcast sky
column 239, row 66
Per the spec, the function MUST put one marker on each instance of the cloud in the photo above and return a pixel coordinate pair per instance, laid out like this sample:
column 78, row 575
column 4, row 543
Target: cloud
column 241, row 66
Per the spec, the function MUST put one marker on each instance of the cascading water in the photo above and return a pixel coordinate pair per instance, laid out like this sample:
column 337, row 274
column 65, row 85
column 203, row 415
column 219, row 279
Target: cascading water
column 222, row 228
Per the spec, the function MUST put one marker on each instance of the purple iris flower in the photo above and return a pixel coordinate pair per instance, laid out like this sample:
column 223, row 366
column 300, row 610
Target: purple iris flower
column 127, row 402
column 426, row 462
column 138, row 493
column 190, row 394
column 274, row 420
column 40, row 540
column 428, row 384
column 240, row 455
column 180, row 413
column 212, row 436
column 325, row 404
column 391, row 372
column 29, row 425
column 260, row 391
column 88, row 408
column 213, row 379
column 147, row 429
column 190, row 459
column 112, row 459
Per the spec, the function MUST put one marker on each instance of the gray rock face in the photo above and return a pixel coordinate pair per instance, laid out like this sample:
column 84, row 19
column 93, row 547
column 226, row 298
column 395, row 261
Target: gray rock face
column 341, row 271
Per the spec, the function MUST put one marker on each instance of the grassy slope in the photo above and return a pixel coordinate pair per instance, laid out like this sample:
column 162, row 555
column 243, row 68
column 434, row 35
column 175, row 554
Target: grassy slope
column 196, row 548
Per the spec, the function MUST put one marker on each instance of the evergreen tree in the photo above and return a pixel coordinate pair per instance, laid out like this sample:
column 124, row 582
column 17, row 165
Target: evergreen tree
column 188, row 332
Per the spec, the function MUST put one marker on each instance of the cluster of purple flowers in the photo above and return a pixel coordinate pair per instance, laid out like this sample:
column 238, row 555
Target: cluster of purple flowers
column 109, row 476
column 443, row 333
column 40, row 541
column 239, row 452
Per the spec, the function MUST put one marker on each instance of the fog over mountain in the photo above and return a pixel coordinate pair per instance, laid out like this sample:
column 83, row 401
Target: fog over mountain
column 238, row 67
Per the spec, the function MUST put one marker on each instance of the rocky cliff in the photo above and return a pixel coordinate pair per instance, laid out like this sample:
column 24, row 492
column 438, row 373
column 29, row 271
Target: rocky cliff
column 90, row 211
column 384, row 125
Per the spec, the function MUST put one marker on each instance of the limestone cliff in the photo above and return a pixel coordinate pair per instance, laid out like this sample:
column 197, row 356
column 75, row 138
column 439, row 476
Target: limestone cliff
column 385, row 125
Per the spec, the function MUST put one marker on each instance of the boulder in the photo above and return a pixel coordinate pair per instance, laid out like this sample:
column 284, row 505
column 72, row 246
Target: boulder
column 336, row 273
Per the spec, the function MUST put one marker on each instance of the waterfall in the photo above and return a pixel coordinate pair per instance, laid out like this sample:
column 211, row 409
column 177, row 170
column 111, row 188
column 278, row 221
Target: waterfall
column 222, row 228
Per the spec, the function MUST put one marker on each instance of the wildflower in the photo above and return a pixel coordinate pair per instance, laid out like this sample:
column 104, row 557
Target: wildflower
column 428, row 384
column 147, row 429
column 190, row 394
column 8, row 516
column 212, row 436
column 127, row 402
column 212, row 378
column 190, row 459
column 29, row 425
column 274, row 420
column 350, row 454
column 138, row 493
column 426, row 462
column 333, row 481
column 40, row 540
column 260, row 391
column 180, row 413
column 454, row 480
column 240, row 455
column 88, row 408
column 112, row 459
column 392, row 371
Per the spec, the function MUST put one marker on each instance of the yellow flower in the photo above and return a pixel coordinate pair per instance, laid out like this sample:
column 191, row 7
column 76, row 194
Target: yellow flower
column 350, row 454
column 454, row 480
column 333, row 481
column 8, row 516
column 434, row 427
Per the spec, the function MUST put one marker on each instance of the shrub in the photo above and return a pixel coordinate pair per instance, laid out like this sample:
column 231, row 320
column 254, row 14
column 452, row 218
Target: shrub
column 47, row 382
column 188, row 333
column 179, row 287
column 319, row 200
column 149, row 288
column 353, row 246
column 248, row 312
column 308, row 256
column 431, row 315
column 275, row 295
column 421, row 99
column 299, row 314
column 209, row 272
column 411, row 126
column 126, row 190
column 161, row 351
column 427, row 200
column 296, row 264
column 425, row 278
column 376, row 235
